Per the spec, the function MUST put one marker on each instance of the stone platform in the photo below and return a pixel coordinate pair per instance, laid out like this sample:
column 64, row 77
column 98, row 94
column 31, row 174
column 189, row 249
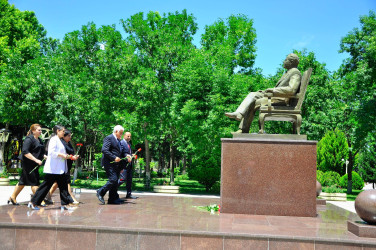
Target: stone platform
column 171, row 222
column 268, row 175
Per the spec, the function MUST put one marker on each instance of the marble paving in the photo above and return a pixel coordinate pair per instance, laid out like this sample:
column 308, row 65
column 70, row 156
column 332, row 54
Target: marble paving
column 171, row 222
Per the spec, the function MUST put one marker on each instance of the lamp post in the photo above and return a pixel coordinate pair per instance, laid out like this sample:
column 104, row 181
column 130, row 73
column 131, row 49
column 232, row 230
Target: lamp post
column 4, row 135
column 346, row 162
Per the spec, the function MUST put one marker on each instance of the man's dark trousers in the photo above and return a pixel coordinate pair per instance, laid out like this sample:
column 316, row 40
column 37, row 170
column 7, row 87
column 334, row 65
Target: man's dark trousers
column 111, row 149
column 126, row 176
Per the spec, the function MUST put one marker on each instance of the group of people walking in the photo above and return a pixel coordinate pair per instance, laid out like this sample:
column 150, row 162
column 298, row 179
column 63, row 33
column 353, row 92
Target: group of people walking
column 59, row 156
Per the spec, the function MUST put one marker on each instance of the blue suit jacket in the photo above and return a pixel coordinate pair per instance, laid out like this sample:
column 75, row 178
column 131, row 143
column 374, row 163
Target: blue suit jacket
column 111, row 150
column 127, row 150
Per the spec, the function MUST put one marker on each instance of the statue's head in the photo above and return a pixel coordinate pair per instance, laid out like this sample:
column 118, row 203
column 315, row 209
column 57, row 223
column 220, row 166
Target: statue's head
column 291, row 61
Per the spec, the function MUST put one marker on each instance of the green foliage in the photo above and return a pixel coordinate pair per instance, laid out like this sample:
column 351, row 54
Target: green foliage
column 171, row 94
column 357, row 181
column 22, row 38
column 4, row 173
column 330, row 178
column 40, row 171
column 97, row 163
column 367, row 161
column 320, row 176
column 206, row 171
column 332, row 189
column 331, row 150
column 231, row 43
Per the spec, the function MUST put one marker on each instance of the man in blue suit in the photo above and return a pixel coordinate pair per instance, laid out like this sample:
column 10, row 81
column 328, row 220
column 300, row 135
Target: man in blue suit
column 111, row 160
column 127, row 172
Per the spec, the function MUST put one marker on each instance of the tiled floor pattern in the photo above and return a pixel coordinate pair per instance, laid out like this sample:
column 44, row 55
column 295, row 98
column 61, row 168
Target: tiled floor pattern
column 160, row 222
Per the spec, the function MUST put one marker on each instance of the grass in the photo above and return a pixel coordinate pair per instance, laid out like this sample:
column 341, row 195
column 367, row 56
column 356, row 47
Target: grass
column 353, row 195
column 350, row 197
column 186, row 186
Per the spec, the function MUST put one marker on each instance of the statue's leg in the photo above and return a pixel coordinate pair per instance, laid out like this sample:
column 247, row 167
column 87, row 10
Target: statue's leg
column 246, row 103
column 246, row 122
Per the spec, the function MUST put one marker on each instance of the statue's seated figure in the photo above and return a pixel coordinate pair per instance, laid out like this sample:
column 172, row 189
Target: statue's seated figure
column 285, row 89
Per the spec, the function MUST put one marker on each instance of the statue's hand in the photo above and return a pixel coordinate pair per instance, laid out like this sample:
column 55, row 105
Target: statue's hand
column 269, row 90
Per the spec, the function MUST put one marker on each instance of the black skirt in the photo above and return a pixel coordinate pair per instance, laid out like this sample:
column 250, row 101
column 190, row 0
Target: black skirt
column 27, row 178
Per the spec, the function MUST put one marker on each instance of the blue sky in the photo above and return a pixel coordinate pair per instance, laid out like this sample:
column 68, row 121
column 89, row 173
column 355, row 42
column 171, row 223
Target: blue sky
column 281, row 26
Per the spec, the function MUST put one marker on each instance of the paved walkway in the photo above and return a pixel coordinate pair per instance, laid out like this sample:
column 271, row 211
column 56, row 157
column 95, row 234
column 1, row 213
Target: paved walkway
column 24, row 196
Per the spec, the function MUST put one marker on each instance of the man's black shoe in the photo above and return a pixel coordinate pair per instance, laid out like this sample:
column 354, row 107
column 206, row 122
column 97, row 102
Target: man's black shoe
column 100, row 198
column 131, row 197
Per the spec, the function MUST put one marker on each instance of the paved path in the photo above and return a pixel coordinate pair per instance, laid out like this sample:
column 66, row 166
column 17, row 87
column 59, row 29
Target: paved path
column 24, row 196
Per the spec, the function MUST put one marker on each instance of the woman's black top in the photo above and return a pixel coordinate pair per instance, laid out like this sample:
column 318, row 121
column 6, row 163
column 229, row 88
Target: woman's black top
column 70, row 151
column 34, row 147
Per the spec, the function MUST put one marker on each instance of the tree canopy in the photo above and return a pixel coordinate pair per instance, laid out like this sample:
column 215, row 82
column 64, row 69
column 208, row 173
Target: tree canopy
column 171, row 94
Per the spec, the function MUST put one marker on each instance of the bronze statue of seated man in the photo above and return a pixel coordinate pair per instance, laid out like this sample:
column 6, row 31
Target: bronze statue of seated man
column 286, row 87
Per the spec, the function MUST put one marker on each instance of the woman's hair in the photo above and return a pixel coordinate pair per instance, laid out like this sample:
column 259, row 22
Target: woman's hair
column 56, row 128
column 67, row 132
column 32, row 128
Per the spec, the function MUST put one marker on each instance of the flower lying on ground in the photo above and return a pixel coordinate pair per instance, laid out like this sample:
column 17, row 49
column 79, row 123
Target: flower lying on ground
column 213, row 208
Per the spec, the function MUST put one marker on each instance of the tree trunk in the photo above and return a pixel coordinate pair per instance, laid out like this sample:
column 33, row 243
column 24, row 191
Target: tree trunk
column 2, row 146
column 160, row 166
column 147, row 164
column 349, row 172
column 184, row 170
column 172, row 159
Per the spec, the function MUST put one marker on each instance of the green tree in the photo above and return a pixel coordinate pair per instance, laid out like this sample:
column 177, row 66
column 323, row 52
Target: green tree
column 231, row 43
column 357, row 84
column 367, row 161
column 22, row 37
column 161, row 44
column 357, row 182
column 205, row 86
column 332, row 150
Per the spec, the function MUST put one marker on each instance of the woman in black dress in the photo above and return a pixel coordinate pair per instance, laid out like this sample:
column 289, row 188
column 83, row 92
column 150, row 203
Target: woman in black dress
column 70, row 151
column 32, row 156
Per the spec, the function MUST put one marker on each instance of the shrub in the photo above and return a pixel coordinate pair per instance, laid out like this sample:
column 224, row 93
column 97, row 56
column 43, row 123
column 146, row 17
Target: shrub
column 320, row 176
column 153, row 174
column 216, row 188
column 183, row 177
column 206, row 170
column 331, row 149
column 357, row 181
column 330, row 178
column 5, row 173
column 332, row 189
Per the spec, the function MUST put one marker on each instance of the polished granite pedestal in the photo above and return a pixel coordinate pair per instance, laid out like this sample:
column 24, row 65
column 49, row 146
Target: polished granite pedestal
column 268, row 175
column 171, row 222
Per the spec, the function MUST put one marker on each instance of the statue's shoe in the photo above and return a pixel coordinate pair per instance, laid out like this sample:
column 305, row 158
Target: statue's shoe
column 235, row 115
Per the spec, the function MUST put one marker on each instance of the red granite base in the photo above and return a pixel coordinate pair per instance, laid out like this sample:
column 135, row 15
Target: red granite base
column 361, row 229
column 268, row 177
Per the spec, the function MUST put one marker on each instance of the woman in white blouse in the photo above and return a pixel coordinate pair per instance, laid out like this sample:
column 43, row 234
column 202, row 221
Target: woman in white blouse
column 54, row 169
